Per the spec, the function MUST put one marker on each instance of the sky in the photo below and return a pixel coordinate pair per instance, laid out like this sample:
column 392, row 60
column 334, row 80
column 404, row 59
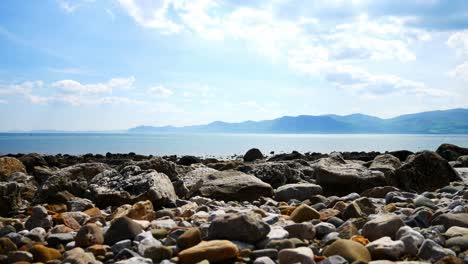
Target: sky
column 116, row 64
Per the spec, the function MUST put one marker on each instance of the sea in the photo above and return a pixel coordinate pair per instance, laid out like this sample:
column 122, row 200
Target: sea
column 216, row 145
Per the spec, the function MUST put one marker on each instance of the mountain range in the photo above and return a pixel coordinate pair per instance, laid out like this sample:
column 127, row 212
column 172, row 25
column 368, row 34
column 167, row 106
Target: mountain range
column 453, row 121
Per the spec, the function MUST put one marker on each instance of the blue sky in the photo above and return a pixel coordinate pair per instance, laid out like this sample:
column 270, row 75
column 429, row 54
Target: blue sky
column 115, row 64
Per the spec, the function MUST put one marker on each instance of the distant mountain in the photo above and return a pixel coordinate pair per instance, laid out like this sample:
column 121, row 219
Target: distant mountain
column 454, row 121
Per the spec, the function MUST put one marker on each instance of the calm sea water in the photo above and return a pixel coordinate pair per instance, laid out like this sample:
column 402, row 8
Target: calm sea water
column 216, row 144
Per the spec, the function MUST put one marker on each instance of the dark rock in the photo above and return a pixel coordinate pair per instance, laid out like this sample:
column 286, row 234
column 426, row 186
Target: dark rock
column 385, row 163
column 32, row 160
column 451, row 152
column 73, row 179
column 188, row 160
column 231, row 185
column 252, row 155
column 121, row 229
column 240, row 227
column 449, row 220
column 275, row 174
column 402, row 155
column 297, row 191
column 10, row 198
column 287, row 156
column 426, row 171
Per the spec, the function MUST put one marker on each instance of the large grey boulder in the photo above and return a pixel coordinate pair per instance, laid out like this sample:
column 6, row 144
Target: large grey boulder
column 385, row 163
column 73, row 179
column 158, row 164
column 451, row 152
column 113, row 188
column 274, row 173
column 425, row 171
column 340, row 177
column 297, row 191
column 240, row 227
column 231, row 185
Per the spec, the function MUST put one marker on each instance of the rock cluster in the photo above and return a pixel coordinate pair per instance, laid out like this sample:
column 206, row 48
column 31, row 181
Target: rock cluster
column 291, row 208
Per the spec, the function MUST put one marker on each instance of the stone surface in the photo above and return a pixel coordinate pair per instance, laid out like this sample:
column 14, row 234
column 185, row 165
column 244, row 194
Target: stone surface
column 240, row 227
column 122, row 228
column 426, row 171
column 384, row 225
column 303, row 255
column 449, row 220
column 304, row 213
column 340, row 177
column 213, row 251
column 231, row 185
column 297, row 191
column 89, row 235
column 113, row 188
column 8, row 166
column 386, row 248
column 189, row 238
column 44, row 254
column 252, row 155
column 385, row 163
column 451, row 152
column 350, row 250
column 79, row 256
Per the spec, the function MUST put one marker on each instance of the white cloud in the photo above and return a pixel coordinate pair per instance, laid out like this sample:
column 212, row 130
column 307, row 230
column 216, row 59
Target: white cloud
column 461, row 71
column 77, row 87
column 459, row 42
column 160, row 91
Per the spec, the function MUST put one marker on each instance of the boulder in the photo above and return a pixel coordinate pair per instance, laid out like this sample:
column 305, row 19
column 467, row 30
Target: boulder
column 297, row 191
column 274, row 173
column 158, row 164
column 194, row 174
column 462, row 162
column 241, row 227
column 425, row 171
column 252, row 155
column 188, row 160
column 73, row 179
column 189, row 238
column 385, row 163
column 112, row 188
column 287, row 156
column 8, row 166
column 214, row 251
column 304, row 213
column 44, row 254
column 32, row 160
column 451, row 152
column 340, row 177
column 10, row 197
column 402, row 155
column 231, row 185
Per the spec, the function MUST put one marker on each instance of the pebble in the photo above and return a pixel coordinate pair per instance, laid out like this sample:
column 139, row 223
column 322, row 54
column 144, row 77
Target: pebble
column 122, row 228
column 213, row 251
column 386, row 248
column 303, row 255
column 383, row 225
column 304, row 213
column 350, row 250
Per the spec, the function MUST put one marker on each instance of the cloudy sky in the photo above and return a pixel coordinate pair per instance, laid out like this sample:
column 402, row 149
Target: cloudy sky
column 114, row 64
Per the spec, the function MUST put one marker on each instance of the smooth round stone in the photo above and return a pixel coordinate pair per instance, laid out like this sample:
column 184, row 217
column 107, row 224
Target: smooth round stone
column 304, row 213
column 89, row 235
column 263, row 260
column 121, row 229
column 458, row 244
column 384, row 225
column 303, row 255
column 189, row 238
column 277, row 232
column 17, row 256
column 54, row 240
column 159, row 233
column 157, row 254
column 336, row 259
column 337, row 222
column 213, row 251
column 268, row 252
column 6, row 245
column 386, row 248
column 6, row 230
column 121, row 245
column 422, row 201
column 433, row 252
column 301, row 231
column 348, row 249
column 323, row 229
column 280, row 244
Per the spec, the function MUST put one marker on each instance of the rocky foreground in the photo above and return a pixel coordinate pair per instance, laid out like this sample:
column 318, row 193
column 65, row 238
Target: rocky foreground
column 290, row 208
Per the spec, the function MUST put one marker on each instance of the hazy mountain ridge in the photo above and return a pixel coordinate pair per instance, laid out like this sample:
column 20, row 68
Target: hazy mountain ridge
column 454, row 121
